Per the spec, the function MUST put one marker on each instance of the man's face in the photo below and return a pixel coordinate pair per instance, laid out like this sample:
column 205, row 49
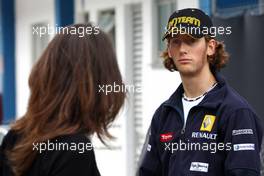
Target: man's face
column 189, row 55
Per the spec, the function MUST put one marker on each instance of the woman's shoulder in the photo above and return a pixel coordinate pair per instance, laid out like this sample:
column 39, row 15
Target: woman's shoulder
column 68, row 155
column 9, row 139
column 70, row 143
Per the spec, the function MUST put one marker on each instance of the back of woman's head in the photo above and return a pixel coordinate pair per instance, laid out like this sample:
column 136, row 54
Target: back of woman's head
column 65, row 91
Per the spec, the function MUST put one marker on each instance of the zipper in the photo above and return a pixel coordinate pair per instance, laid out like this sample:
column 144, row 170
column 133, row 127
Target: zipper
column 181, row 115
column 183, row 130
column 188, row 120
column 184, row 125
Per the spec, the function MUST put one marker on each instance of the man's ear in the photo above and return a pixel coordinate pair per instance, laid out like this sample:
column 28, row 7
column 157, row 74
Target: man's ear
column 211, row 45
column 168, row 48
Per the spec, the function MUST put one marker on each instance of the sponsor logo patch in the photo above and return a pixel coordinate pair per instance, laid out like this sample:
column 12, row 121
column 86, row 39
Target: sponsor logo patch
column 205, row 135
column 208, row 123
column 242, row 131
column 199, row 167
column 166, row 137
column 239, row 147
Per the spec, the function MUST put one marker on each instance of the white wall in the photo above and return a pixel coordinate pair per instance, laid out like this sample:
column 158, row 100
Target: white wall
column 113, row 162
column 28, row 12
column 187, row 4
column 158, row 84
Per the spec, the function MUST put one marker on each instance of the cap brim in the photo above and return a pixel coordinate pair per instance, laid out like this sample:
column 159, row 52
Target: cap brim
column 179, row 32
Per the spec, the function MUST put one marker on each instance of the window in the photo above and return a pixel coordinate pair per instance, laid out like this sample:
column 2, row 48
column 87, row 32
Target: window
column 164, row 8
column 106, row 22
column 86, row 17
column 39, row 43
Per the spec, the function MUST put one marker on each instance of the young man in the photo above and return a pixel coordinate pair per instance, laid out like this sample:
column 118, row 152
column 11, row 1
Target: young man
column 205, row 128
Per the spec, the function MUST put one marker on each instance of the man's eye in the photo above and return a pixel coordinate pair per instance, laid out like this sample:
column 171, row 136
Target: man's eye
column 190, row 41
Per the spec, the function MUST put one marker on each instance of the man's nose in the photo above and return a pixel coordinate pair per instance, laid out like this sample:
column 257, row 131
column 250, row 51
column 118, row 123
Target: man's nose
column 183, row 47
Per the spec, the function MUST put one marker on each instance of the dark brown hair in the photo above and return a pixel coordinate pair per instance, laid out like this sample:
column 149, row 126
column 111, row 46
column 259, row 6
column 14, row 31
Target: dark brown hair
column 216, row 61
column 65, row 97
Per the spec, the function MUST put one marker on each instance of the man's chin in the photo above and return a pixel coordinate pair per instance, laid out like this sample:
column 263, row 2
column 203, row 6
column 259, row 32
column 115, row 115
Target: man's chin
column 186, row 72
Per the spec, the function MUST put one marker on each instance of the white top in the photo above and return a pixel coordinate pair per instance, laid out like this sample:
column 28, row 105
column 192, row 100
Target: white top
column 187, row 105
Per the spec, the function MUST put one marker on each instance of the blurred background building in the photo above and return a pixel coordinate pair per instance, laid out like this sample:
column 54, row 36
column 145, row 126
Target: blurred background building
column 135, row 28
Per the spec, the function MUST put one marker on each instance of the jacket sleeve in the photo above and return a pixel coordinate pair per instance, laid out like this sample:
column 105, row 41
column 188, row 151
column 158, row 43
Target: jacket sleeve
column 149, row 164
column 244, row 132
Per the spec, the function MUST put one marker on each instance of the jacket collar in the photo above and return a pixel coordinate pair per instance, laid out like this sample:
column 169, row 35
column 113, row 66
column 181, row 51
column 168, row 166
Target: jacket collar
column 212, row 100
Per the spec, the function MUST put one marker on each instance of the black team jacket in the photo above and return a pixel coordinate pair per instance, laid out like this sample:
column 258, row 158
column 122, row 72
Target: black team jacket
column 222, row 137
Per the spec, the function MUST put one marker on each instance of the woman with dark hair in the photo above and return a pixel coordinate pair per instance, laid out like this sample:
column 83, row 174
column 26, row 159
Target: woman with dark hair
column 65, row 108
